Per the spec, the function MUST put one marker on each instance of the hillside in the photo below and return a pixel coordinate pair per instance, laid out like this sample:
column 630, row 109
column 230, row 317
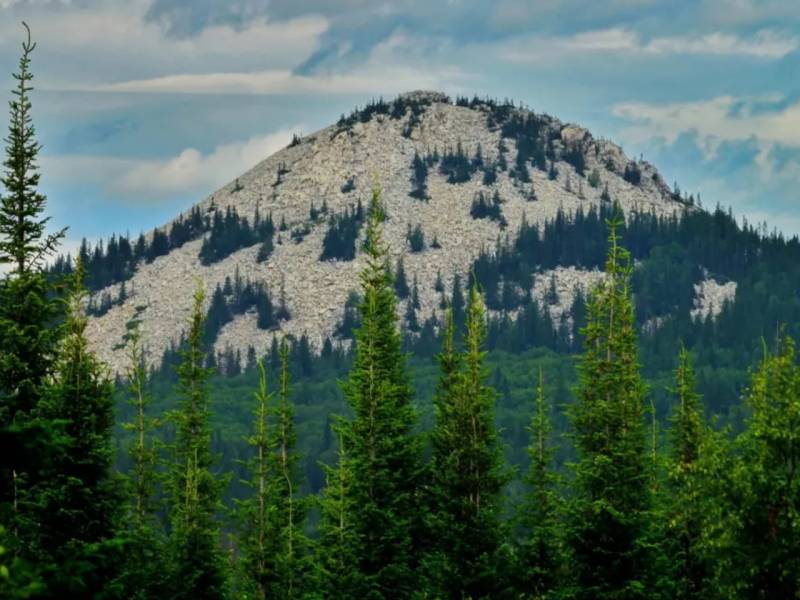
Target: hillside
column 467, row 174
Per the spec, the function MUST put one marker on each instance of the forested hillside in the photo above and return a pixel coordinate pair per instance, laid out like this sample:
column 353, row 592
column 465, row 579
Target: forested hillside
column 530, row 437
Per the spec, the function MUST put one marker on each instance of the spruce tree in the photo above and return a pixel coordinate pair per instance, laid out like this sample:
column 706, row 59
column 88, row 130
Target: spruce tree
column 384, row 454
column 199, row 570
column 76, row 504
column 27, row 310
column 610, row 509
column 467, row 475
column 540, row 552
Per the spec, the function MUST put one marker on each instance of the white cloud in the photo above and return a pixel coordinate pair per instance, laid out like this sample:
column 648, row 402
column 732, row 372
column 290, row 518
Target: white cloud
column 764, row 44
column 189, row 173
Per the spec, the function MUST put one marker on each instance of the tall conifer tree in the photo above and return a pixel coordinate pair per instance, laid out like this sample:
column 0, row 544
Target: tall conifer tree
column 253, row 514
column 467, row 473
column 76, row 503
column 384, row 454
column 199, row 570
column 540, row 552
column 27, row 310
column 610, row 511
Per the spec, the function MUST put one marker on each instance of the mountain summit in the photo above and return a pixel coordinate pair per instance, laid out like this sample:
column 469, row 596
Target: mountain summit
column 278, row 248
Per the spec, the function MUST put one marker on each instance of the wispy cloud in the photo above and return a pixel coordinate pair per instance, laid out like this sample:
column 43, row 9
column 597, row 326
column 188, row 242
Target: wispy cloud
column 764, row 44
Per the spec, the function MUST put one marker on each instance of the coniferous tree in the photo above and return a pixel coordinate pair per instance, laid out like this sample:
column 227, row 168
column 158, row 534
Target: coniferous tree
column 338, row 546
column 540, row 553
column 76, row 504
column 27, row 309
column 768, row 536
column 384, row 454
column 610, row 510
column 468, row 476
column 253, row 514
column 143, row 577
column 291, row 560
column 686, row 495
column 198, row 566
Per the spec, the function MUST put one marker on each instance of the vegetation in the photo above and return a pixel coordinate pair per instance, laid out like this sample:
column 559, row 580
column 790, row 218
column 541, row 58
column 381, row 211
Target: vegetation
column 391, row 499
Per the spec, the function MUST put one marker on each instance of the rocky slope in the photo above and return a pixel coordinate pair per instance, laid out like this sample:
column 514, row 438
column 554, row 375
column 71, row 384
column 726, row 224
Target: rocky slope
column 338, row 166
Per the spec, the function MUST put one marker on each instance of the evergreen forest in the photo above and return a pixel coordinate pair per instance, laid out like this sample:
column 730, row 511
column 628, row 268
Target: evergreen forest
column 488, row 454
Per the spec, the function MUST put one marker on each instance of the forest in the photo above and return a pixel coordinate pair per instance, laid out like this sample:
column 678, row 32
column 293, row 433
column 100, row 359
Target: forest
column 426, row 481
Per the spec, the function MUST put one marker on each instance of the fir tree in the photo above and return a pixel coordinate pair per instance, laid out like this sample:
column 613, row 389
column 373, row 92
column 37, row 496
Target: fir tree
column 612, row 495
column 540, row 553
column 198, row 566
column 468, row 476
column 384, row 453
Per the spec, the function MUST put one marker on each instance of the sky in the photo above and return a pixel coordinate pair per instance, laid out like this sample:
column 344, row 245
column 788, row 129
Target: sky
column 144, row 107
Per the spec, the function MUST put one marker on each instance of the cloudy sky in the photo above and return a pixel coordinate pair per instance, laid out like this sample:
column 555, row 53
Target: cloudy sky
column 145, row 106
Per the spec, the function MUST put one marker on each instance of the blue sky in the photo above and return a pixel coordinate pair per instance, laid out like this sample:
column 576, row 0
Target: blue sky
column 145, row 106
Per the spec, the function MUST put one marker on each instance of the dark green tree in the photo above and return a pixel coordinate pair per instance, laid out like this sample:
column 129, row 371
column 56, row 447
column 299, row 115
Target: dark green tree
column 467, row 474
column 686, row 493
column 27, row 309
column 540, row 552
column 76, row 504
column 384, row 454
column 612, row 495
column 768, row 538
column 199, row 569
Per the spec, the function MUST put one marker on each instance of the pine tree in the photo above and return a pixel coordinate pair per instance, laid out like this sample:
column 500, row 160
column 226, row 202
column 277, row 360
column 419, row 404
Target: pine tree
column 198, row 566
column 384, row 454
column 768, row 538
column 253, row 514
column 76, row 504
column 540, row 553
column 467, row 474
column 610, row 510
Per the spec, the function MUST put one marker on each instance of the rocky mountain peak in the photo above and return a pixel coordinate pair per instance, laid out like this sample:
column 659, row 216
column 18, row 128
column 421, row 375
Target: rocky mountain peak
column 456, row 176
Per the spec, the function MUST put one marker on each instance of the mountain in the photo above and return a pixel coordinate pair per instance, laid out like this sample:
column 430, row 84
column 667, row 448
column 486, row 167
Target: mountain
column 455, row 178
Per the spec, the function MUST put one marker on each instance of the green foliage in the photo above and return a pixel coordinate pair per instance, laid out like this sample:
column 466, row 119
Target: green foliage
column 467, row 470
column 540, row 552
column 611, row 505
column 384, row 455
column 198, row 568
